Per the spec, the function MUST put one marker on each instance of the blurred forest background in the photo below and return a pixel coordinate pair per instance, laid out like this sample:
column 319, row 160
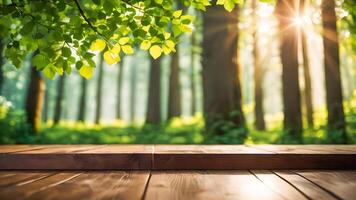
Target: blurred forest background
column 141, row 100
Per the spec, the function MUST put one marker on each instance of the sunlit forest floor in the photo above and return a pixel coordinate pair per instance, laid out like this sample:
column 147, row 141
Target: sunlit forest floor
column 177, row 131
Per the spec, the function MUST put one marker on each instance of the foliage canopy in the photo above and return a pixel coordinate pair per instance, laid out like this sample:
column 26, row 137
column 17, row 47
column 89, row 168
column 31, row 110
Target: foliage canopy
column 67, row 33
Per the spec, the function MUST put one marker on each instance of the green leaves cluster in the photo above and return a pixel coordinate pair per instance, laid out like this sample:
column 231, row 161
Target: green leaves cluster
column 67, row 34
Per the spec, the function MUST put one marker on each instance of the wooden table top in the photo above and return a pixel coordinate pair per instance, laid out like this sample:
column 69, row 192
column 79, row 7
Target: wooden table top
column 179, row 185
column 195, row 172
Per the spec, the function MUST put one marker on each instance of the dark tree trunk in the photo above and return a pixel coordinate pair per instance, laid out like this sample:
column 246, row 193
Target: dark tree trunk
column 46, row 103
column 34, row 98
column 59, row 99
column 174, row 96
column 336, row 118
column 119, row 89
column 221, row 83
column 154, row 94
column 289, row 55
column 99, row 91
column 193, row 108
column 306, row 70
column 133, row 82
column 1, row 66
column 82, row 100
column 258, row 75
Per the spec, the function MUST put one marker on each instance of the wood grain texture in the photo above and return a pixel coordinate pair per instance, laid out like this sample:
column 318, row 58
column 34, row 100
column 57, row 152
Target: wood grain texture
column 98, row 185
column 25, row 190
column 239, row 157
column 18, row 148
column 310, row 189
column 80, row 157
column 177, row 185
column 340, row 183
column 214, row 185
column 19, row 178
column 278, row 185
column 178, row 157
column 307, row 149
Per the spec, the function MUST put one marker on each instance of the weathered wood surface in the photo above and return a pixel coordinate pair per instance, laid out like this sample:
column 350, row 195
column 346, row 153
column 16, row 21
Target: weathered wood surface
column 178, row 185
column 177, row 157
column 79, row 157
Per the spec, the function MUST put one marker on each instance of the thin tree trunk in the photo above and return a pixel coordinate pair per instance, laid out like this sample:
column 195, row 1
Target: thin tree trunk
column 336, row 118
column 46, row 102
column 1, row 66
column 59, row 99
column 99, row 91
column 34, row 98
column 221, row 70
column 133, row 93
column 193, row 108
column 154, row 94
column 82, row 101
column 306, row 70
column 174, row 96
column 258, row 75
column 119, row 89
column 288, row 32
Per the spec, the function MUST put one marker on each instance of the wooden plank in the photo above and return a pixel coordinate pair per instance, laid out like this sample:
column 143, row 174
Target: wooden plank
column 25, row 190
column 20, row 178
column 86, row 157
column 214, row 185
column 59, row 149
column 308, row 188
column 237, row 157
column 307, row 149
column 178, row 157
column 98, row 185
column 278, row 185
column 340, row 183
column 18, row 148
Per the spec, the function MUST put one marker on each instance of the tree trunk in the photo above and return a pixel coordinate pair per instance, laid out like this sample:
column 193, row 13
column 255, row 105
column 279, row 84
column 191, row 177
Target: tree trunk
column 99, row 91
column 258, row 74
column 306, row 70
column 46, row 102
column 82, row 101
column 154, row 94
column 221, row 82
column 174, row 96
column 193, row 108
column 288, row 33
column 133, row 82
column 336, row 118
column 1, row 66
column 119, row 88
column 34, row 98
column 59, row 99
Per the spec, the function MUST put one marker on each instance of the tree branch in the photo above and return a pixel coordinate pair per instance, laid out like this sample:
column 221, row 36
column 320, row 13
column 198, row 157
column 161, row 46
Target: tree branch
column 86, row 19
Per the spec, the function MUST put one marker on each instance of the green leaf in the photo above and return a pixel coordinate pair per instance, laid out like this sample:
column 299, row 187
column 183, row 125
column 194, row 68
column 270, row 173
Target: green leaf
column 177, row 14
column 127, row 49
column 145, row 45
column 40, row 61
column 111, row 57
column 124, row 40
column 49, row 72
column 229, row 5
column 98, row 45
column 158, row 1
column 86, row 72
column 155, row 51
column 66, row 52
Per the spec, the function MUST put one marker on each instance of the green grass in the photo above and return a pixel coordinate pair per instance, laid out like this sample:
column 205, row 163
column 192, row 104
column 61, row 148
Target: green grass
column 178, row 131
